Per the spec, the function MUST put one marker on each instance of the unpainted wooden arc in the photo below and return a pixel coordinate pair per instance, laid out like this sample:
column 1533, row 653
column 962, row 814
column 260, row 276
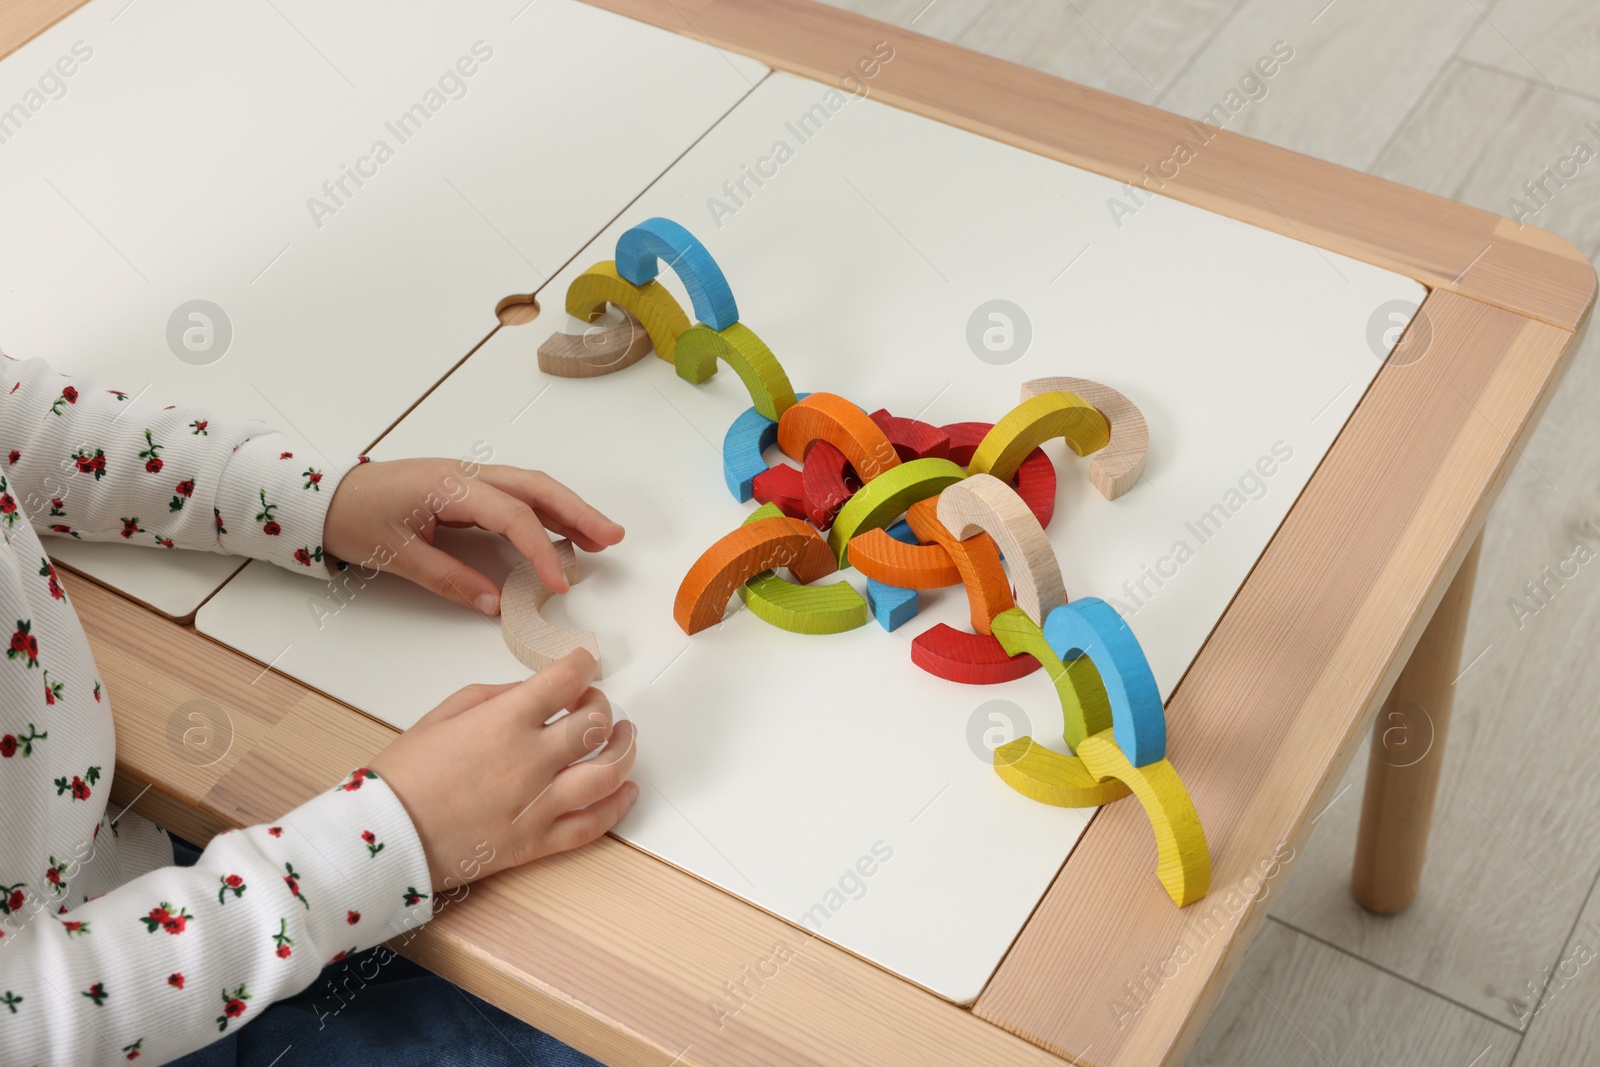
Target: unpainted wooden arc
column 1115, row 468
column 530, row 637
column 598, row 350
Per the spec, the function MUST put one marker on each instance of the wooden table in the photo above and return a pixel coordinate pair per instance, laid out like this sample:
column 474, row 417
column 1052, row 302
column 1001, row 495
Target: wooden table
column 1361, row 594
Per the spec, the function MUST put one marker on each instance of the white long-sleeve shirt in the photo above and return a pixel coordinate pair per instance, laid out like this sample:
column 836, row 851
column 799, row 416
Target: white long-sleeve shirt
column 109, row 952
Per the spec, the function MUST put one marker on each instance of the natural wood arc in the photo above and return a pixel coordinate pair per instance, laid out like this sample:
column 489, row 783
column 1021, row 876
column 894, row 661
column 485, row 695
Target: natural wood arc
column 1308, row 649
column 983, row 503
column 536, row 642
column 601, row 349
column 1115, row 468
column 1407, row 755
column 608, row 949
column 1444, row 245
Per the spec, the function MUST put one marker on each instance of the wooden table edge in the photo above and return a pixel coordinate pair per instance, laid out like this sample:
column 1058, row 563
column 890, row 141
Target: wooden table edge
column 1555, row 266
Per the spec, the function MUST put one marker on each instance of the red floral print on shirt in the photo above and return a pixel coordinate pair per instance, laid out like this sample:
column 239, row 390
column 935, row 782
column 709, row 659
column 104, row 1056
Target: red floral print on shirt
column 374, row 846
column 11, row 898
column 164, row 918
column 151, row 454
column 181, row 495
column 11, row 460
column 198, row 427
column 55, row 873
column 9, row 512
column 132, row 1051
column 308, row 555
column 267, row 517
column 76, row 929
column 413, row 897
column 285, row 455
column 90, row 462
column 175, row 979
column 231, row 883
column 24, row 645
column 69, row 395
column 11, row 744
column 233, row 1005
column 357, row 776
column 57, row 506
column 78, row 787
column 217, row 517
column 313, row 479
column 352, row 917
column 292, row 880
column 52, row 690
column 97, row 993
column 48, row 570
column 275, row 831
column 285, row 944
column 130, row 527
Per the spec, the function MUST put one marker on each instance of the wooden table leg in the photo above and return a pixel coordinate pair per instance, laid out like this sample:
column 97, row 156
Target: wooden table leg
column 1407, row 753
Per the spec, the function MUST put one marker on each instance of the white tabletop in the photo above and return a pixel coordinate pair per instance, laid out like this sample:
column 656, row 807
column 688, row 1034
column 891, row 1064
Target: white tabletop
column 186, row 159
column 772, row 762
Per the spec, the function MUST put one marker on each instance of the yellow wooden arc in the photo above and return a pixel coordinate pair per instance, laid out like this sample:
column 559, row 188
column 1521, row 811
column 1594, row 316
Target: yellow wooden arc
column 1183, row 860
column 700, row 347
column 1032, row 423
column 651, row 303
column 1049, row 777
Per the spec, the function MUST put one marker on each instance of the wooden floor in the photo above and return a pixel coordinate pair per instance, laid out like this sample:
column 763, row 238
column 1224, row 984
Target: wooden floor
column 1498, row 962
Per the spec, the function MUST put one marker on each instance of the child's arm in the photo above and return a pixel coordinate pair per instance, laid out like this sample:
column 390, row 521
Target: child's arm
column 164, row 964
column 96, row 464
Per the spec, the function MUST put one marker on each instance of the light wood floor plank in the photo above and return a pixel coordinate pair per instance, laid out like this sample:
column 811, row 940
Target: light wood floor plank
column 944, row 19
column 1554, row 41
column 1298, row 1003
column 1483, row 138
column 1515, row 803
column 1357, row 71
column 1566, row 1025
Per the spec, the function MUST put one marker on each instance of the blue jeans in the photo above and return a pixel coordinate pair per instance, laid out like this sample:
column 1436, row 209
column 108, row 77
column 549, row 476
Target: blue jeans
column 379, row 1008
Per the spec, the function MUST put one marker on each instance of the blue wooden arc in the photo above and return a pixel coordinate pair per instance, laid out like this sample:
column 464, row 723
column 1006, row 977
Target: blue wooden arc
column 891, row 605
column 1091, row 627
column 751, row 434
column 641, row 250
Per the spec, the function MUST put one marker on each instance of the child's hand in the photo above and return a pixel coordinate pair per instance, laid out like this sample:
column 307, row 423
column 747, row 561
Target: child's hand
column 488, row 785
column 383, row 515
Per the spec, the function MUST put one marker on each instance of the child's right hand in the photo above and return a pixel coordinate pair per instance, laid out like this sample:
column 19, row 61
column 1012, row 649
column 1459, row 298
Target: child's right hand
column 489, row 785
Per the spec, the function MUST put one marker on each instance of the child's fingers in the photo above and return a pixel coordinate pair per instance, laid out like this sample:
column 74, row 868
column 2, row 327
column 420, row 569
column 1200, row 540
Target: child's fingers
column 585, row 783
column 577, row 828
column 435, row 569
column 507, row 515
column 462, row 699
column 583, row 729
column 576, row 536
column 554, row 502
column 558, row 686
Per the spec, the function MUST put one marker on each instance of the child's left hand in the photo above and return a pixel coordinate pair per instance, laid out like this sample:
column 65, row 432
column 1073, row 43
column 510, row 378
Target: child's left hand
column 384, row 515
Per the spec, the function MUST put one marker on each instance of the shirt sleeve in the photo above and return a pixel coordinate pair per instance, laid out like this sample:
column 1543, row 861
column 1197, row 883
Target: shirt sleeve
column 161, row 966
column 93, row 463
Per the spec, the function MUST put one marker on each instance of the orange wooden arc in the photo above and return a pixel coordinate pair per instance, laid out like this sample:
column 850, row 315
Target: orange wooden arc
column 831, row 418
column 884, row 559
column 977, row 558
column 741, row 555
